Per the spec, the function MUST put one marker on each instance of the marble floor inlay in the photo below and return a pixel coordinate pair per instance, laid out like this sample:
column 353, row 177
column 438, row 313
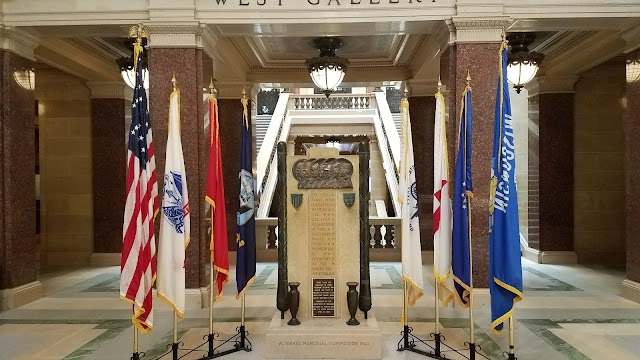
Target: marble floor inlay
column 569, row 312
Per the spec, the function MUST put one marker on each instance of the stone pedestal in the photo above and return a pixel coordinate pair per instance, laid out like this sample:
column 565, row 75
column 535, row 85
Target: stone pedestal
column 324, row 339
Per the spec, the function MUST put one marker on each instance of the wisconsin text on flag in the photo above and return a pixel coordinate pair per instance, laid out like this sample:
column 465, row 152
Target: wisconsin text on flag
column 138, row 266
column 441, row 207
column 215, row 197
column 408, row 199
column 175, row 221
column 462, row 194
column 505, row 267
column 246, row 236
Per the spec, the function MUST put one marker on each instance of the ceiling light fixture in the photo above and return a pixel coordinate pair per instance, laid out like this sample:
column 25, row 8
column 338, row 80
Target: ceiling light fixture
column 633, row 70
column 327, row 70
column 126, row 66
column 26, row 78
column 523, row 65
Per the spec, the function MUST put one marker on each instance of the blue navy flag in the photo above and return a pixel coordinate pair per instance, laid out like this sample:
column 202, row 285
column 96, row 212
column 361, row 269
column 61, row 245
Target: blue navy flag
column 246, row 235
column 505, row 267
column 462, row 193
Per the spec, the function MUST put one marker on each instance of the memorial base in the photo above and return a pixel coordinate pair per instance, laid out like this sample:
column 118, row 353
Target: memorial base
column 324, row 339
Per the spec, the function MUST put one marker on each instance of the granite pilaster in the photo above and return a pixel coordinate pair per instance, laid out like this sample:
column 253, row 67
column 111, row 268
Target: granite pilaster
column 422, row 111
column 187, row 65
column 480, row 60
column 109, row 172
column 554, row 171
column 632, row 173
column 19, row 246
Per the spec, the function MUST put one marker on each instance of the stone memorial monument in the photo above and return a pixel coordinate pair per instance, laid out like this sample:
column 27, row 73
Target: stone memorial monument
column 323, row 257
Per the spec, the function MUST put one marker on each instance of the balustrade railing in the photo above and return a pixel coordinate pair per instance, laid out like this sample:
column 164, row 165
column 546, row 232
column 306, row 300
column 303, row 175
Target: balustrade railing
column 384, row 233
column 334, row 102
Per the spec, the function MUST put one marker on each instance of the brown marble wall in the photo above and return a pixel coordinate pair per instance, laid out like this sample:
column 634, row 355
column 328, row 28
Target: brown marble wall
column 481, row 61
column 632, row 174
column 187, row 65
column 109, row 172
column 555, row 171
column 230, row 112
column 422, row 110
column 19, row 247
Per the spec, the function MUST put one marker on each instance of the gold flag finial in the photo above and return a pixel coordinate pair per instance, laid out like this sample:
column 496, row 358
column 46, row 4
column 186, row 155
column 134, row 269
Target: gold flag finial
column 174, row 82
column 439, row 84
column 244, row 93
column 468, row 78
column 406, row 91
column 212, row 89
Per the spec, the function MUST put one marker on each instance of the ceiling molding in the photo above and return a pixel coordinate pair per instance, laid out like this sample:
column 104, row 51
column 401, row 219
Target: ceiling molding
column 233, row 89
column 18, row 41
column 110, row 90
column 267, row 51
column 551, row 85
column 73, row 57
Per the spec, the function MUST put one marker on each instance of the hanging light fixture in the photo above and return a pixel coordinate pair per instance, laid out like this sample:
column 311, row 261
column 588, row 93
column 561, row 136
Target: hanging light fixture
column 327, row 70
column 126, row 66
column 26, row 78
column 523, row 65
column 633, row 70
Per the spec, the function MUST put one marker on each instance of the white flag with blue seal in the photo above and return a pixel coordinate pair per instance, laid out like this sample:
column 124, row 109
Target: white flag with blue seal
column 410, row 225
column 175, row 220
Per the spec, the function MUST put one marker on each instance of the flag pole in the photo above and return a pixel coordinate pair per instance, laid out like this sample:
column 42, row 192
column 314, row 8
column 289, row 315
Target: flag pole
column 436, row 334
column 472, row 343
column 210, row 337
column 512, row 352
column 136, row 354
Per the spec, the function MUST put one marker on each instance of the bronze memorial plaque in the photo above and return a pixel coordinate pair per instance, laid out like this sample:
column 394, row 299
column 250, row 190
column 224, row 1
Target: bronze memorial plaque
column 324, row 297
column 331, row 173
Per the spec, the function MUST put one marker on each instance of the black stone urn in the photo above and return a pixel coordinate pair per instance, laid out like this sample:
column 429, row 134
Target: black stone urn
column 294, row 303
column 352, row 303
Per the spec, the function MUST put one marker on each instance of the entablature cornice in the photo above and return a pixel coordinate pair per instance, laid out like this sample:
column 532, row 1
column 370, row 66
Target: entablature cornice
column 551, row 85
column 477, row 30
column 19, row 41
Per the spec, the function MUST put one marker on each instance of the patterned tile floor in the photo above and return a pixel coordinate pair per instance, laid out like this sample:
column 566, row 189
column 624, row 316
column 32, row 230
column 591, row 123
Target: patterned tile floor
column 570, row 312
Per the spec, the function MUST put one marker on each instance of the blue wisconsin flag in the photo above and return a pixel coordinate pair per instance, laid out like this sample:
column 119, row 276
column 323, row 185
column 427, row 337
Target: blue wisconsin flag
column 462, row 193
column 246, row 235
column 505, row 267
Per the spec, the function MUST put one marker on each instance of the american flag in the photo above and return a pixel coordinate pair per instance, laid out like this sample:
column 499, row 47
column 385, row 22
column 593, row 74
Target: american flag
column 138, row 267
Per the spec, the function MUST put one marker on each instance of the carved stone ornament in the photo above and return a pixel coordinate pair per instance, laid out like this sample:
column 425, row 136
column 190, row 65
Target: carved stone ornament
column 349, row 199
column 331, row 173
column 296, row 200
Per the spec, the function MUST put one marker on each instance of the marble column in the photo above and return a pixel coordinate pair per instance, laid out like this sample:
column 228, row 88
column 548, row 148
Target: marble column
column 422, row 110
column 475, row 51
column 19, row 246
column 230, row 112
column 550, row 173
column 631, row 286
column 110, row 109
column 193, row 71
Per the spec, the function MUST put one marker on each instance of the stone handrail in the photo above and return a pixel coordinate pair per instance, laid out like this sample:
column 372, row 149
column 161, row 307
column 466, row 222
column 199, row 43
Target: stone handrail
column 334, row 102
column 389, row 127
column 390, row 166
column 267, row 150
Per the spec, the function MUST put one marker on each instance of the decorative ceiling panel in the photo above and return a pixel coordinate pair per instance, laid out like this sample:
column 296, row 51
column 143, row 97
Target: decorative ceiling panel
column 370, row 50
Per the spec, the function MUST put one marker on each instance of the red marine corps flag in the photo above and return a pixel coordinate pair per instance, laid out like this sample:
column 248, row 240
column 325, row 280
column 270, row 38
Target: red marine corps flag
column 138, row 267
column 215, row 197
